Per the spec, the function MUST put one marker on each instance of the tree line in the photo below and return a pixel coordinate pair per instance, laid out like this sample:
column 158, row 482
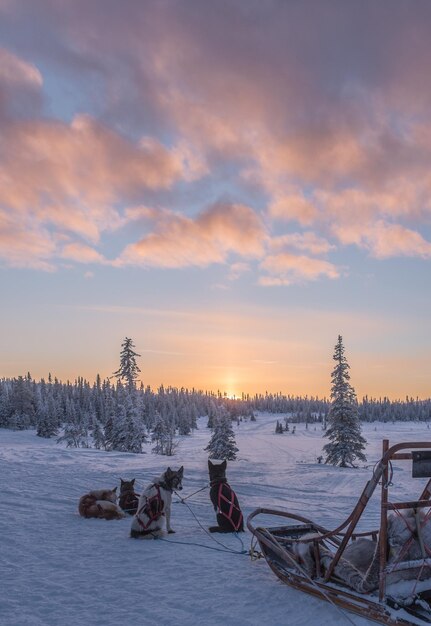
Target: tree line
column 27, row 403
column 122, row 415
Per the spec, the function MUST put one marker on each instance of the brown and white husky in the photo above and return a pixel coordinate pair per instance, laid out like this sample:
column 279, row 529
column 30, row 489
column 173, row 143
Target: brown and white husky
column 224, row 500
column 101, row 504
column 154, row 506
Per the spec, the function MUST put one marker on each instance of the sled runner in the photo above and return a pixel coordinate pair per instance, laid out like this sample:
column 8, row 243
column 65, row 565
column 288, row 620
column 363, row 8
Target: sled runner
column 383, row 575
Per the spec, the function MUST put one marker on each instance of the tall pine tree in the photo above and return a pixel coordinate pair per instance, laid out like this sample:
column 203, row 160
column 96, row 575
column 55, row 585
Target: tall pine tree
column 128, row 370
column 344, row 432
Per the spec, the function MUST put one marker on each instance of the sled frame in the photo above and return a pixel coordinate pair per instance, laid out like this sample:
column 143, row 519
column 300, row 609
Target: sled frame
column 283, row 562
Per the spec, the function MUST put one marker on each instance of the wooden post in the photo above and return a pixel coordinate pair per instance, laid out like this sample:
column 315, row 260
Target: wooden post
column 383, row 535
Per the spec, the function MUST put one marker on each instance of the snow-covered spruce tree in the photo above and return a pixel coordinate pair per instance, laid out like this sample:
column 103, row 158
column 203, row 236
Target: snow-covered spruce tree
column 279, row 428
column 222, row 444
column 344, row 431
column 162, row 436
column 109, row 434
column 22, row 404
column 128, row 370
column 128, row 429
column 75, row 433
column 47, row 425
column 98, row 434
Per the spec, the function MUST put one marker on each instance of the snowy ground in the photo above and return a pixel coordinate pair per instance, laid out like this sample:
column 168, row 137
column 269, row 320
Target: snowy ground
column 57, row 568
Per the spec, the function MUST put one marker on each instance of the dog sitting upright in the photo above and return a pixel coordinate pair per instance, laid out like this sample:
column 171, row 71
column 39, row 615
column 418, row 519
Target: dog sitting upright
column 154, row 506
column 225, row 502
column 101, row 504
column 128, row 500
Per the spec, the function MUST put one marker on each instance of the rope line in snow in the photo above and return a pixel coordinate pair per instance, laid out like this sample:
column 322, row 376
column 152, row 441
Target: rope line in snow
column 200, row 545
column 225, row 548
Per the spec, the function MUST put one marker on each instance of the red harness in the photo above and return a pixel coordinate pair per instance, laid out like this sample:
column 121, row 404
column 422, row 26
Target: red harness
column 231, row 504
column 153, row 509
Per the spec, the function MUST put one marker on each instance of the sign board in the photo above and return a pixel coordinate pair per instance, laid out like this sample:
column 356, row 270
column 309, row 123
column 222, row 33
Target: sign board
column 421, row 467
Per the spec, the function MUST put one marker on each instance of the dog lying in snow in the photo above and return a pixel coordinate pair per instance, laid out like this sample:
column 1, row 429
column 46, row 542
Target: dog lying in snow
column 225, row 502
column 409, row 534
column 154, row 506
column 101, row 504
column 128, row 500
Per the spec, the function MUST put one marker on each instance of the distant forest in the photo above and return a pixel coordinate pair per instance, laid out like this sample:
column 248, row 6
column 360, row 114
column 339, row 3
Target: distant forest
column 119, row 416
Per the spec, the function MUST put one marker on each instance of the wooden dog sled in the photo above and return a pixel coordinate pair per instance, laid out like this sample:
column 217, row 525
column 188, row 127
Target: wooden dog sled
column 386, row 603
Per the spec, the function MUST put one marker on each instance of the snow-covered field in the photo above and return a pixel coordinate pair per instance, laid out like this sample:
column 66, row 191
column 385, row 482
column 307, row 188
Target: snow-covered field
column 57, row 568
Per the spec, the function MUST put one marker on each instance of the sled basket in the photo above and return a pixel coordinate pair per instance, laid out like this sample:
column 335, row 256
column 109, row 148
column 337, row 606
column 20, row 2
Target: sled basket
column 282, row 547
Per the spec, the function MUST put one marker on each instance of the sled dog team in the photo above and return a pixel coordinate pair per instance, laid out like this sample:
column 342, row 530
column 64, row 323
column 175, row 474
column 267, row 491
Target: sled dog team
column 152, row 509
column 409, row 531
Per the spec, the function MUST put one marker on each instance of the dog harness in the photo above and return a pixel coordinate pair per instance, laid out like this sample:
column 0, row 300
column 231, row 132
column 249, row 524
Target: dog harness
column 129, row 501
column 153, row 509
column 227, row 507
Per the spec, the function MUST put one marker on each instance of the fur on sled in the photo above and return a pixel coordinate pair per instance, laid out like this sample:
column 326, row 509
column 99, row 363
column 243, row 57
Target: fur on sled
column 409, row 535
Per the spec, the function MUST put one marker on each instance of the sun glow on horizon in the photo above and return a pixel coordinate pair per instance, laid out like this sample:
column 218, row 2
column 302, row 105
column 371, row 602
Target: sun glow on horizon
column 230, row 385
column 232, row 395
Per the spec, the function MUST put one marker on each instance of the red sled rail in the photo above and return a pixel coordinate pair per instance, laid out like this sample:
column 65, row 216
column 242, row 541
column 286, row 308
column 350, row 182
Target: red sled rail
column 281, row 545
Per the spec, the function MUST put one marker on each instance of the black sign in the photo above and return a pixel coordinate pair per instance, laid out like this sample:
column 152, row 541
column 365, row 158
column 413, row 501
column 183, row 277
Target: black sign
column 421, row 464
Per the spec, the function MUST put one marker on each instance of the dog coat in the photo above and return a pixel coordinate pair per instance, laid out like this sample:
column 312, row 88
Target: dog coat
column 153, row 509
column 227, row 504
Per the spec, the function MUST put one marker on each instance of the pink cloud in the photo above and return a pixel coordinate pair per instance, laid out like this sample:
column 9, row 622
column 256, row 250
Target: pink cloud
column 236, row 270
column 333, row 136
column 16, row 71
column 71, row 177
column 81, row 253
column 292, row 207
column 25, row 244
column 285, row 269
column 391, row 240
column 307, row 241
column 180, row 241
column 83, row 168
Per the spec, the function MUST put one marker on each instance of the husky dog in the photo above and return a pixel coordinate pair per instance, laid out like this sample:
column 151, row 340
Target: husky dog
column 101, row 504
column 155, row 505
column 225, row 502
column 128, row 500
column 409, row 534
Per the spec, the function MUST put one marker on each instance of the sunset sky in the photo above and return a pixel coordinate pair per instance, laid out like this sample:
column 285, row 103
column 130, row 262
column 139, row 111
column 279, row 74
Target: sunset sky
column 231, row 184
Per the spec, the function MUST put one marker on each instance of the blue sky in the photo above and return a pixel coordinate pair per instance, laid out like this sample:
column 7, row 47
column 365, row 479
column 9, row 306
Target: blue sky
column 231, row 184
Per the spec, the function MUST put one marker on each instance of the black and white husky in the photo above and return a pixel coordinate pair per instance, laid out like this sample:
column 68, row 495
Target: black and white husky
column 154, row 506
